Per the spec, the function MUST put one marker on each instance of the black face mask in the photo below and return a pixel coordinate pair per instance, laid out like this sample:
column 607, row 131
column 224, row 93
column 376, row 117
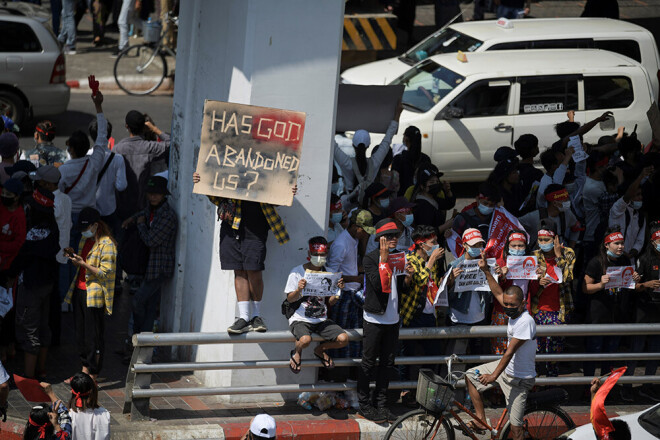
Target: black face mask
column 512, row 312
column 360, row 150
column 435, row 188
column 8, row 201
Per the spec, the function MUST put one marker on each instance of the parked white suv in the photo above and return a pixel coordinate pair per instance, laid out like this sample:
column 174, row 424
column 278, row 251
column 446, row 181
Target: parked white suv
column 32, row 70
column 549, row 33
column 466, row 110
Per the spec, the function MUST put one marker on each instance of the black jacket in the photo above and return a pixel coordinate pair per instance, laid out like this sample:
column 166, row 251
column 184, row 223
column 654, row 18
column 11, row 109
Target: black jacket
column 375, row 300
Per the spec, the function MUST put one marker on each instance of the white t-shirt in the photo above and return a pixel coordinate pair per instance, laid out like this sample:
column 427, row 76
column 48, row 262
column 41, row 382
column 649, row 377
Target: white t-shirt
column 313, row 308
column 522, row 364
column 391, row 315
column 93, row 424
column 475, row 312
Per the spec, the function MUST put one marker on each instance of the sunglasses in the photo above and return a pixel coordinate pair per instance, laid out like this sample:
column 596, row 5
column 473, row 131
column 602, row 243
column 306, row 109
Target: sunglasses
column 392, row 236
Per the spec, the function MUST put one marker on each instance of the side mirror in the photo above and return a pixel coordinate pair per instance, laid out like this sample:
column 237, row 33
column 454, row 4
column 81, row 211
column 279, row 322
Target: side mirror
column 450, row 112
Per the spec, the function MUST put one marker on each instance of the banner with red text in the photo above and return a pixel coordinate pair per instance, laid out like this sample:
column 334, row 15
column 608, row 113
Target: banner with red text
column 500, row 225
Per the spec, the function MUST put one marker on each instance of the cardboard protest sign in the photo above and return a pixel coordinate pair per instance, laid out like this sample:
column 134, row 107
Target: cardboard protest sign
column 579, row 155
column 472, row 278
column 521, row 268
column 397, row 261
column 620, row 277
column 31, row 389
column 249, row 152
column 369, row 108
column 321, row 284
column 501, row 224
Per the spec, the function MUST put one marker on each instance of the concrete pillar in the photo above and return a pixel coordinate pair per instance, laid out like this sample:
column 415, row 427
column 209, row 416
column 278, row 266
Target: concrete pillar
column 282, row 54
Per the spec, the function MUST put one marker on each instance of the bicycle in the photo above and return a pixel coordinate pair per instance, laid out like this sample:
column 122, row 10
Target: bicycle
column 543, row 419
column 141, row 69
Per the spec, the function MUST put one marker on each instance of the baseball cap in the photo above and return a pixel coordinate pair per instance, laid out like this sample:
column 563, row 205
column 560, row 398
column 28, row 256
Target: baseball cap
column 8, row 144
column 504, row 153
column 14, row 186
column 386, row 226
column 157, row 185
column 472, row 236
column 426, row 172
column 22, row 165
column 361, row 137
column 47, row 173
column 363, row 219
column 376, row 189
column 263, row 426
column 400, row 203
column 88, row 216
column 9, row 123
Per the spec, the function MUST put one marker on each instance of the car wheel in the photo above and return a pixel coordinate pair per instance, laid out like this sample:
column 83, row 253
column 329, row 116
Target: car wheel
column 12, row 105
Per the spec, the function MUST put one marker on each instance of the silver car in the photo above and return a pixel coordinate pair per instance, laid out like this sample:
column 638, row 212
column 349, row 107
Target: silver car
column 32, row 70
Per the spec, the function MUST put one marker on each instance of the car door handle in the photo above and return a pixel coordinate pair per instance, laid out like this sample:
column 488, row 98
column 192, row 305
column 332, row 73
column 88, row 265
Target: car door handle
column 502, row 127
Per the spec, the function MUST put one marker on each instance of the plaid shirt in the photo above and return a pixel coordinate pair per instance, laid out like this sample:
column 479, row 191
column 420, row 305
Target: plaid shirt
column 566, row 263
column 159, row 235
column 605, row 203
column 272, row 217
column 100, row 287
column 413, row 299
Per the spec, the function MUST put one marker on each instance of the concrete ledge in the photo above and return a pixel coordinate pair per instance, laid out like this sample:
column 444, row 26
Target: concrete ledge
column 152, row 431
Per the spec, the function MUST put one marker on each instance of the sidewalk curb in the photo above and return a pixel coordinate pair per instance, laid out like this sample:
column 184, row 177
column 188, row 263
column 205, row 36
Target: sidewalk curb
column 170, row 432
column 105, row 83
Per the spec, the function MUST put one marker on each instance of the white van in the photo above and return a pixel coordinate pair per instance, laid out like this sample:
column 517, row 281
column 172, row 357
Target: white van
column 466, row 110
column 549, row 33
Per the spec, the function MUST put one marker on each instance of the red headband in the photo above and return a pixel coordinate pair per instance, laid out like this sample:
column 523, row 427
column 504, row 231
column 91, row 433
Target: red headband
column 336, row 206
column 42, row 199
column 44, row 131
column 381, row 192
column 79, row 397
column 545, row 233
column 656, row 235
column 42, row 428
column 318, row 248
column 388, row 226
column 424, row 240
column 557, row 195
column 517, row 236
column 471, row 235
column 482, row 197
column 615, row 236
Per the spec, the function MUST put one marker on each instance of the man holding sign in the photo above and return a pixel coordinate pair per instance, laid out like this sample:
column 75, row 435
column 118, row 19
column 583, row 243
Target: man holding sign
column 307, row 313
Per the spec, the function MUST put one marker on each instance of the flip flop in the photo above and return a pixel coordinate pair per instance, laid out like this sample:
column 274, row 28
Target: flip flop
column 327, row 363
column 474, row 427
column 297, row 364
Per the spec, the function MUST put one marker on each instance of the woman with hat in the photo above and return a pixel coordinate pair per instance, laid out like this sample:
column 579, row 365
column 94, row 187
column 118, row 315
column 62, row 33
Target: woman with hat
column 38, row 269
column 93, row 288
column 377, row 201
column 432, row 198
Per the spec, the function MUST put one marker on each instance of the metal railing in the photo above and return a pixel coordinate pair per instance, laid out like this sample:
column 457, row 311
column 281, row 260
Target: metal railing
column 138, row 381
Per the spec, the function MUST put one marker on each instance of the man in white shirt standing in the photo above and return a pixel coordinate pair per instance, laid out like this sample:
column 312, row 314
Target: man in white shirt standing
column 515, row 373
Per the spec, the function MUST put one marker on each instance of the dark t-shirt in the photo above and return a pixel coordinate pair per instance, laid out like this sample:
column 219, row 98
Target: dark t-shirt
column 648, row 301
column 528, row 175
column 513, row 3
column 253, row 223
column 609, row 306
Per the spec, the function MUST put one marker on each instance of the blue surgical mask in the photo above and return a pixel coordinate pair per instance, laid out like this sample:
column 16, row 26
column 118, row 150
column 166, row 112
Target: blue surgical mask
column 87, row 234
column 565, row 206
column 485, row 210
column 408, row 220
column 336, row 187
column 657, row 247
column 516, row 252
column 430, row 251
column 546, row 247
column 612, row 254
column 636, row 205
column 474, row 252
column 336, row 217
column 384, row 203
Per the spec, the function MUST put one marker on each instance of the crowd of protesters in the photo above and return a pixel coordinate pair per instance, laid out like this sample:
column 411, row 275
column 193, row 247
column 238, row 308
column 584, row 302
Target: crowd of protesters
column 73, row 221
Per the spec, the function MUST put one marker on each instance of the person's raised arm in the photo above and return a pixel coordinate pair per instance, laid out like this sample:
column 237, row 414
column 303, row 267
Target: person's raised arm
column 494, row 286
column 586, row 128
column 632, row 189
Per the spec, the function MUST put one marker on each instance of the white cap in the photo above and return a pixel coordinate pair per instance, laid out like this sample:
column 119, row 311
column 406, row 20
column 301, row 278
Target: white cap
column 263, row 425
column 361, row 137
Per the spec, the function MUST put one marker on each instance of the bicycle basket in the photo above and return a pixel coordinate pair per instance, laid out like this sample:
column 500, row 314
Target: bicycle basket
column 152, row 30
column 433, row 392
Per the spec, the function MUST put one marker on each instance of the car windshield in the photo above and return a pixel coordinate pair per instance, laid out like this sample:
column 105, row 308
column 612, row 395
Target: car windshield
column 426, row 84
column 650, row 421
column 446, row 40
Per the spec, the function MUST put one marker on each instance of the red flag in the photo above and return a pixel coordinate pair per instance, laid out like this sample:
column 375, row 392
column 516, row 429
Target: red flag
column 31, row 389
column 455, row 244
column 385, row 272
column 599, row 420
column 501, row 224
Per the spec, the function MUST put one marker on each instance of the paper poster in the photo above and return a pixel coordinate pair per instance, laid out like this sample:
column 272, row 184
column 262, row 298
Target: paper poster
column 472, row 278
column 442, row 297
column 397, row 261
column 249, row 152
column 321, row 284
column 620, row 277
column 521, row 268
column 369, row 108
column 554, row 274
column 580, row 154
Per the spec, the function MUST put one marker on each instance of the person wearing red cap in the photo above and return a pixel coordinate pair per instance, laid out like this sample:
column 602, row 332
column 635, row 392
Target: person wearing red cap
column 606, row 305
column 559, row 211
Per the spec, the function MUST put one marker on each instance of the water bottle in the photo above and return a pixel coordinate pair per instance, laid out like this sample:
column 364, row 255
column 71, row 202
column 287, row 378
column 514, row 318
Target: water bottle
column 477, row 374
column 303, row 400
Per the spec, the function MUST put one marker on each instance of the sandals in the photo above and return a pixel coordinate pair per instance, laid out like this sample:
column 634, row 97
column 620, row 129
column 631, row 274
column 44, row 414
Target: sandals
column 326, row 361
column 297, row 364
column 473, row 426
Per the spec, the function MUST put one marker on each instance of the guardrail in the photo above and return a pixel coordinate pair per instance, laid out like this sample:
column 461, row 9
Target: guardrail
column 138, row 380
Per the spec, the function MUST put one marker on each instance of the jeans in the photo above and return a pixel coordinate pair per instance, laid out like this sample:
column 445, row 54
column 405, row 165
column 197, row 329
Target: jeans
column 429, row 347
column 379, row 342
column 145, row 305
column 510, row 12
column 127, row 7
column 67, row 34
column 56, row 12
column 600, row 344
column 637, row 346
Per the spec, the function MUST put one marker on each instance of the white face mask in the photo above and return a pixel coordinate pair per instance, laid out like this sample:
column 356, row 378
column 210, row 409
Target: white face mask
column 88, row 233
column 318, row 260
column 565, row 206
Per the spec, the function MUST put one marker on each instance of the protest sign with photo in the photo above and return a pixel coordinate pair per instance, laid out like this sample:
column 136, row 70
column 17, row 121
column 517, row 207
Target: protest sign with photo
column 579, row 155
column 321, row 284
column 554, row 274
column 521, row 268
column 500, row 225
column 397, row 261
column 472, row 278
column 249, row 152
column 620, row 277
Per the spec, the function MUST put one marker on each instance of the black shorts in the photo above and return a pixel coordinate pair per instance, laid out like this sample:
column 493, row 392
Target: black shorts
column 241, row 253
column 327, row 329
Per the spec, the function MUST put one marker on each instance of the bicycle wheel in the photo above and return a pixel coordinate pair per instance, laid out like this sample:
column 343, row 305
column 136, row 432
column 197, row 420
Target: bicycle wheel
column 542, row 423
column 419, row 425
column 141, row 69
